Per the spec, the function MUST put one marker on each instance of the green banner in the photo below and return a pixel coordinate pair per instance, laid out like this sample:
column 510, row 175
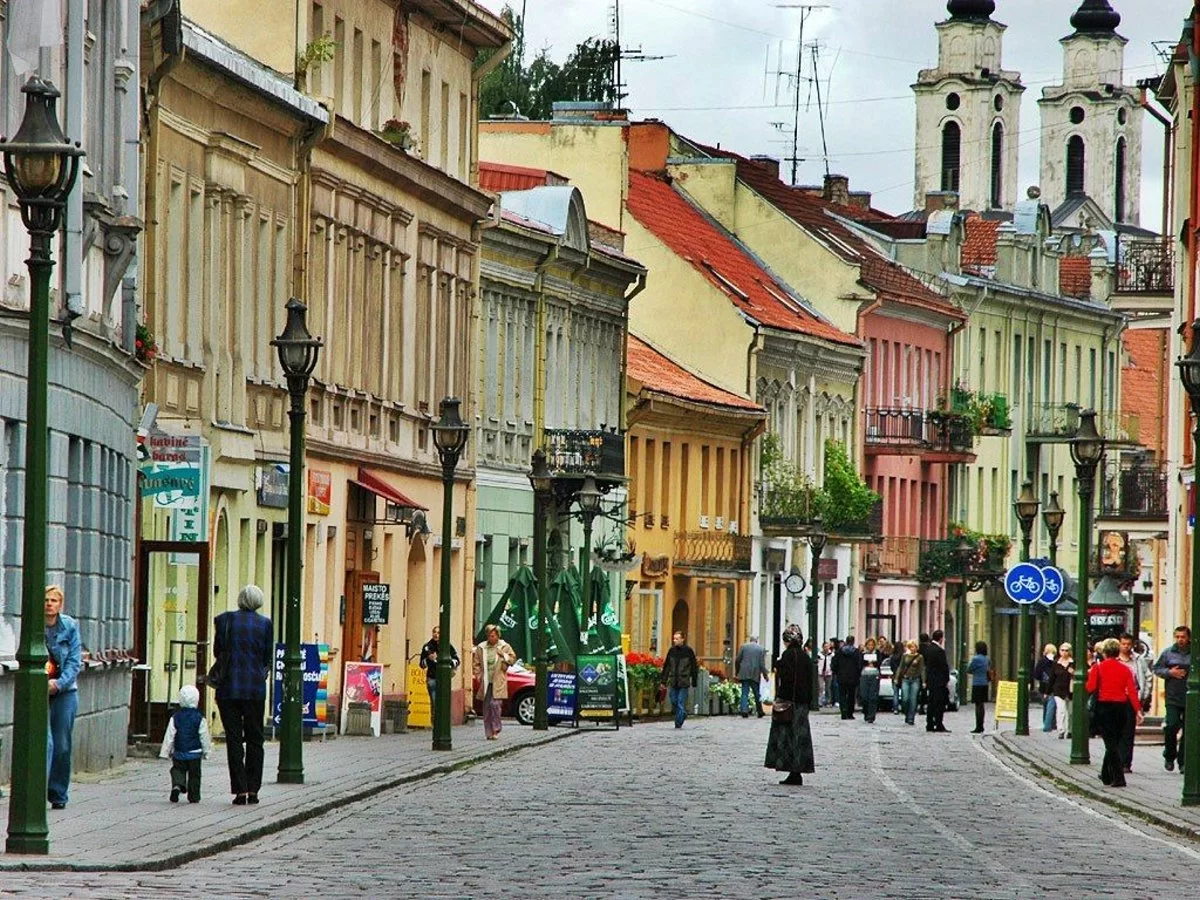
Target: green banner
column 596, row 679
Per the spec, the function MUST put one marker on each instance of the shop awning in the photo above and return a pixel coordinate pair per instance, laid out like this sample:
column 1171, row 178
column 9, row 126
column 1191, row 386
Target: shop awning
column 370, row 481
column 1063, row 608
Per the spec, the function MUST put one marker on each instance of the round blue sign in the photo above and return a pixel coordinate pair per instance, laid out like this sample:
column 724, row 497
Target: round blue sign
column 1024, row 583
column 1056, row 585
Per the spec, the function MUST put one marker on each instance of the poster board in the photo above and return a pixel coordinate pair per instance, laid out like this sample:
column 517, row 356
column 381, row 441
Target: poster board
column 420, row 710
column 596, row 691
column 560, row 695
column 362, row 682
column 1006, row 701
column 314, row 681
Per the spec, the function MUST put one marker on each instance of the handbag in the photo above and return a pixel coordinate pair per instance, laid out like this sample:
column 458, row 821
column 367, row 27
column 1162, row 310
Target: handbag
column 217, row 671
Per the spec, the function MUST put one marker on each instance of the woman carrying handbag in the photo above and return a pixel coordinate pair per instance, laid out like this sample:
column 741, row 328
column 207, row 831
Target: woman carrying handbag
column 789, row 746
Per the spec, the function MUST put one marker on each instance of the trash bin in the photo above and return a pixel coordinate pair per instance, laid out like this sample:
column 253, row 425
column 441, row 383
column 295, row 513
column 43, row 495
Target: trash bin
column 395, row 716
column 358, row 719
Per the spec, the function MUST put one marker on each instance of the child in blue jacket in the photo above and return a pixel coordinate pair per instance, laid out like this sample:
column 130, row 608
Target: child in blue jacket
column 186, row 742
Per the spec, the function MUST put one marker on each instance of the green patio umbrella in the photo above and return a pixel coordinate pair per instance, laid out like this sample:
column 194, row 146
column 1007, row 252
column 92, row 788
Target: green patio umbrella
column 603, row 635
column 564, row 601
column 512, row 613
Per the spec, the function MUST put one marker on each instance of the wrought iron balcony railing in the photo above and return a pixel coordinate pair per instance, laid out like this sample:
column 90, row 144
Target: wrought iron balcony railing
column 1054, row 422
column 939, row 561
column 1135, row 493
column 714, row 550
column 578, row 452
column 1146, row 266
column 892, row 557
column 895, row 427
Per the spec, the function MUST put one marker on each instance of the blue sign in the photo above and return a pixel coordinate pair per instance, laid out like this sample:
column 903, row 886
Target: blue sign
column 560, row 695
column 1024, row 583
column 1056, row 585
column 310, row 677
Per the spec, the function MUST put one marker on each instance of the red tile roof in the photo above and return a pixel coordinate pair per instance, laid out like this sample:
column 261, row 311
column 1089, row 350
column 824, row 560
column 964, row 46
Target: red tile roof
column 718, row 257
column 979, row 247
column 1075, row 277
column 502, row 177
column 660, row 373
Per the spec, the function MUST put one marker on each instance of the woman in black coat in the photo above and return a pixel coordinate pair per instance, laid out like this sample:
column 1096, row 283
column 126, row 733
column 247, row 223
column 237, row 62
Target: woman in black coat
column 789, row 746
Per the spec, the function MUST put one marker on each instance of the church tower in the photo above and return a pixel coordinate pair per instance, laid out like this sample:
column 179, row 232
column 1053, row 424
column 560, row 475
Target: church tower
column 968, row 113
column 1092, row 123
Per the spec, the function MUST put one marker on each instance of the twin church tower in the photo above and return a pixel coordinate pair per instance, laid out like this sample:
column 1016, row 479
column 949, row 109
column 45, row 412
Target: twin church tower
column 969, row 117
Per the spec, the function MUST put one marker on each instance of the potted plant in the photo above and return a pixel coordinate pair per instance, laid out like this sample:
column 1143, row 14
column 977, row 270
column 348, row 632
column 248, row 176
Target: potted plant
column 145, row 349
column 398, row 133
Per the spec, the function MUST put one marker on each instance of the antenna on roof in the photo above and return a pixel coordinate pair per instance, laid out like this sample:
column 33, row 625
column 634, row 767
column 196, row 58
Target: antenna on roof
column 822, row 109
column 796, row 78
column 633, row 54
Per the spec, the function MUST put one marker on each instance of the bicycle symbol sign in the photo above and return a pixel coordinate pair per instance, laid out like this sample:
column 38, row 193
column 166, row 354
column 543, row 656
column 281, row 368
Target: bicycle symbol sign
column 1024, row 583
column 1055, row 586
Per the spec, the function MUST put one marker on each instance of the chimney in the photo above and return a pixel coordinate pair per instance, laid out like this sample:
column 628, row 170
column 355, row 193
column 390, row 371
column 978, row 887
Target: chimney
column 936, row 200
column 587, row 111
column 837, row 189
column 860, row 199
column 770, row 163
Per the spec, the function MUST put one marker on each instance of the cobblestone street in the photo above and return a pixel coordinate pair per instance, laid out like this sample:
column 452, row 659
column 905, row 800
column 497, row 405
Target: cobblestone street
column 655, row 812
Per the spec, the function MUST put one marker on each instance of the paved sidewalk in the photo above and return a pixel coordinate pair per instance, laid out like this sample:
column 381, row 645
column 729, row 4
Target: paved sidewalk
column 1152, row 793
column 122, row 821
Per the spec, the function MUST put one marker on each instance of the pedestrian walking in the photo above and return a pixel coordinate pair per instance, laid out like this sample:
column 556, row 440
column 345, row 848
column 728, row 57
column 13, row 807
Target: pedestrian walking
column 429, row 657
column 825, row 675
column 789, row 745
column 937, row 678
column 1116, row 701
column 680, row 673
column 1042, row 672
column 868, row 684
column 243, row 646
column 910, row 674
column 64, row 652
column 894, row 655
column 1142, row 677
column 490, row 661
column 848, row 673
column 186, row 743
column 751, row 667
column 835, row 692
column 1172, row 667
column 1061, row 674
column 982, row 675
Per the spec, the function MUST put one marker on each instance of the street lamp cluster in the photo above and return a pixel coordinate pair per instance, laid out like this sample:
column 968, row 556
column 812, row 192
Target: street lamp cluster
column 1087, row 449
column 816, row 542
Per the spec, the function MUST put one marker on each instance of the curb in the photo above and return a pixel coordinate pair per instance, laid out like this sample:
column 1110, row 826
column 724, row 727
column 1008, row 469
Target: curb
column 283, row 822
column 1080, row 788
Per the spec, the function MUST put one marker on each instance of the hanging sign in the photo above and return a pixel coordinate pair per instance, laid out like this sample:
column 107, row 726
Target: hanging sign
column 376, row 603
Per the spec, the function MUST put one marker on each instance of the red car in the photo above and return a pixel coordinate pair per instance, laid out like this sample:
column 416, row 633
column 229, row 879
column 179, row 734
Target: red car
column 521, row 701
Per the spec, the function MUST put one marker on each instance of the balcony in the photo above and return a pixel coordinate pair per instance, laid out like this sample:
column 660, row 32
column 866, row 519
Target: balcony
column 788, row 510
column 1146, row 267
column 939, row 562
column 866, row 530
column 894, row 431
column 989, row 413
column 893, row 557
column 575, row 453
column 1119, row 428
column 950, row 438
column 1134, row 493
column 1052, row 423
column 712, row 553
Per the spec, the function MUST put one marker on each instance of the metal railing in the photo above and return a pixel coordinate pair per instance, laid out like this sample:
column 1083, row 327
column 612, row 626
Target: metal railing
column 893, row 557
column 939, row 560
column 712, row 550
column 575, row 452
column 895, row 427
column 1057, row 421
column 1135, row 493
column 1146, row 266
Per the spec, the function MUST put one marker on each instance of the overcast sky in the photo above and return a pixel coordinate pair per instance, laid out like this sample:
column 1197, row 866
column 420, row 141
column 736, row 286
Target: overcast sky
column 712, row 86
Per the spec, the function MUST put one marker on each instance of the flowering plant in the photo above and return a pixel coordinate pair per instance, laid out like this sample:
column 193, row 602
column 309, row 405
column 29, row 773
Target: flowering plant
column 398, row 133
column 644, row 670
column 144, row 346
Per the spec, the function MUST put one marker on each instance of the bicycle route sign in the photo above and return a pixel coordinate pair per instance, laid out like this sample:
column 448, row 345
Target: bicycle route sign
column 1025, row 583
column 1056, row 585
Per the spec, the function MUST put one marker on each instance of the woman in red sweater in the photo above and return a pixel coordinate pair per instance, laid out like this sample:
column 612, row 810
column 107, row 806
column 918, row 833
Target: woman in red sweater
column 1116, row 701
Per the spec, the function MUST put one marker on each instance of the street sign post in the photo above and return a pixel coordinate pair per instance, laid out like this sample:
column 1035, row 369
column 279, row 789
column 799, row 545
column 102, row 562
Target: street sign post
column 1024, row 583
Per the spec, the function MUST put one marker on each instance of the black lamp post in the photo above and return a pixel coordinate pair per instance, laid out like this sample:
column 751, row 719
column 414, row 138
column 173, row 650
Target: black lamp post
column 588, row 498
column 542, row 480
column 964, row 554
column 1026, row 505
column 1052, row 518
column 816, row 541
column 298, row 351
column 1189, row 374
column 40, row 165
column 1087, row 449
column 450, row 438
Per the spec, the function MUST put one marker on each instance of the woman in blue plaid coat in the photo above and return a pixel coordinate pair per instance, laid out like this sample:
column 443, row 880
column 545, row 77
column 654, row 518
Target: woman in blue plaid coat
column 243, row 637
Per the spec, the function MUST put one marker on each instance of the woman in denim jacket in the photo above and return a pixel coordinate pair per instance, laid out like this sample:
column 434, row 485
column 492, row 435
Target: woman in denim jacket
column 66, row 659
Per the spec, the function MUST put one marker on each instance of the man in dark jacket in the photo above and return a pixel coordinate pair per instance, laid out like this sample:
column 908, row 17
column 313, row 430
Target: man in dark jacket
column 937, row 676
column 1173, row 667
column 848, row 671
column 429, row 655
column 680, row 671
column 751, row 667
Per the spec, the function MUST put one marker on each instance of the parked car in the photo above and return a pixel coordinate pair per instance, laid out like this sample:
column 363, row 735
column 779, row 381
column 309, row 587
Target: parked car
column 521, row 701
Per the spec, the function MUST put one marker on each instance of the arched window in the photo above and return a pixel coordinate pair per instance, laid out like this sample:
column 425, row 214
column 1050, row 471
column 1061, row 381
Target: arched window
column 997, row 166
column 1119, row 204
column 951, row 150
column 1076, row 164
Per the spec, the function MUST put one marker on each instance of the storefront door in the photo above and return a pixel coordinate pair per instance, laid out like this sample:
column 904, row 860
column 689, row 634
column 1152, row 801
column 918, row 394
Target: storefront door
column 359, row 642
column 645, row 617
column 171, row 631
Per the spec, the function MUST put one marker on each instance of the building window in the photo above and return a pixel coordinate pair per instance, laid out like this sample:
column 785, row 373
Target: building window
column 1076, row 162
column 1119, row 204
column 951, row 149
column 997, row 165
column 1077, row 115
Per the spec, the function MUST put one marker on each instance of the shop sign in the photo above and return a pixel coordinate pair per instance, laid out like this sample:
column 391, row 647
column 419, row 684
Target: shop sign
column 273, row 486
column 420, row 712
column 1106, row 619
column 596, row 686
column 320, row 491
column 827, row 569
column 377, row 601
column 362, row 682
column 314, row 682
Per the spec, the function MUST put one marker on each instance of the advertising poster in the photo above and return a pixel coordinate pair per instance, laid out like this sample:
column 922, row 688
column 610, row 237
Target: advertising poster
column 420, row 712
column 561, row 695
column 314, row 680
column 1006, row 700
column 363, row 683
column 596, row 686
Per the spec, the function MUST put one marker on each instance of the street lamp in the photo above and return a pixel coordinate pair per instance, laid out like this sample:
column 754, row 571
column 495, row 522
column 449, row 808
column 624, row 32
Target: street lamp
column 588, row 498
column 1052, row 518
column 1087, row 449
column 542, row 481
column 1189, row 374
column 1026, row 506
column 816, row 541
column 450, row 438
column 964, row 553
column 298, row 351
column 40, row 166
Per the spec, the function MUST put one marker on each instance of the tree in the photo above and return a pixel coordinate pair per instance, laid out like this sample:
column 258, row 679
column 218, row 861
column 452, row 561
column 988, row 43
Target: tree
column 531, row 91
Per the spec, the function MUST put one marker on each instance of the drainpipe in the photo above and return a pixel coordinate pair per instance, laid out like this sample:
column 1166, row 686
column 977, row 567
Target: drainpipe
column 1168, row 133
column 539, row 347
column 127, row 193
column 481, row 72
column 638, row 287
column 73, row 303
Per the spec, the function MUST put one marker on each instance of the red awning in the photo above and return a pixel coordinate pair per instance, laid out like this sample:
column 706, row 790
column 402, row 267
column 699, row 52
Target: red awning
column 369, row 481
